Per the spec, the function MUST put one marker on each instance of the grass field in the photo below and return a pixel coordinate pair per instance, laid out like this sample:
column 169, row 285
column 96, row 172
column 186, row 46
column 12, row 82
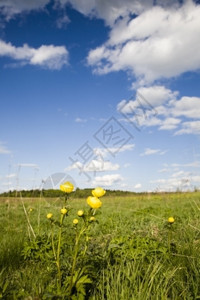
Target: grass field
column 131, row 252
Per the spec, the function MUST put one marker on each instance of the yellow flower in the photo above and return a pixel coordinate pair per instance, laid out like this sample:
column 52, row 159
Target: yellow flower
column 67, row 187
column 30, row 209
column 80, row 213
column 98, row 192
column 94, row 202
column 171, row 220
column 49, row 216
column 75, row 221
column 63, row 211
column 92, row 219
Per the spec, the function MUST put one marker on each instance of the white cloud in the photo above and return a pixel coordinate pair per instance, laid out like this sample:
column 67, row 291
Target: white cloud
column 196, row 178
column 63, row 21
column 180, row 174
column 153, row 45
column 188, row 107
column 194, row 164
column 103, row 152
column 180, row 178
column 147, row 106
column 101, row 166
column 51, row 57
column 109, row 10
column 173, row 183
column 94, row 166
column 156, row 95
column 149, row 151
column 169, row 123
column 164, row 170
column 107, row 180
column 127, row 165
column 161, row 42
column 28, row 165
column 159, row 106
column 138, row 186
column 11, row 175
column 4, row 150
column 12, row 7
column 80, row 120
column 192, row 127
column 6, row 183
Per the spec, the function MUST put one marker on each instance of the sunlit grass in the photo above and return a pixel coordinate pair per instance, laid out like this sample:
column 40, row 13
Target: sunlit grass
column 129, row 248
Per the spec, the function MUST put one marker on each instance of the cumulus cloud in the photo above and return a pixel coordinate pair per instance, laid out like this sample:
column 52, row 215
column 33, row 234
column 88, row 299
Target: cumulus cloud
column 149, row 102
column 138, row 186
column 9, row 8
column 11, row 175
column 180, row 176
column 149, row 151
column 159, row 106
column 4, row 149
column 110, row 10
column 95, row 165
column 194, row 164
column 164, row 170
column 28, row 165
column 107, row 180
column 51, row 57
column 180, row 180
column 104, row 152
column 62, row 22
column 188, row 107
column 80, row 120
column 161, row 42
column 169, row 123
column 192, row 127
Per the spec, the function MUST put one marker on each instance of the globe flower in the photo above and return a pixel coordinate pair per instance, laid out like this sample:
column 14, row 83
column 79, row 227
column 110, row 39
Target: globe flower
column 171, row 220
column 98, row 192
column 92, row 219
column 75, row 221
column 49, row 216
column 80, row 213
column 63, row 211
column 67, row 187
column 94, row 202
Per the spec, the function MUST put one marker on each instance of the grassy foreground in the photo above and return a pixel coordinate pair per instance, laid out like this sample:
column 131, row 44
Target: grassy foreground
column 132, row 252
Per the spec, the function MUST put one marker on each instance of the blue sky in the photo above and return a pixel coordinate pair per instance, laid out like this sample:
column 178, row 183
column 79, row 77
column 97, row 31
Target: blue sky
column 102, row 93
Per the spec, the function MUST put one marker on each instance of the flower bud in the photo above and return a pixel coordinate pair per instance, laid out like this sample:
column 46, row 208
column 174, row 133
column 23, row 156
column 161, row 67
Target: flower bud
column 63, row 211
column 49, row 216
column 171, row 220
column 80, row 213
column 75, row 221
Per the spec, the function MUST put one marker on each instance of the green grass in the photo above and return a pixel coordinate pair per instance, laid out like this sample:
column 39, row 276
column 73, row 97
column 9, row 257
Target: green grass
column 133, row 253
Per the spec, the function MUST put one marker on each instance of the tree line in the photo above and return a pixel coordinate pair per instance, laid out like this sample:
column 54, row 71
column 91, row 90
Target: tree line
column 52, row 193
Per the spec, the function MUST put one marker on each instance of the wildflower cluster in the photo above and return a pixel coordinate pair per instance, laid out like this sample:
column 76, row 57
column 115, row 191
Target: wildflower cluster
column 85, row 218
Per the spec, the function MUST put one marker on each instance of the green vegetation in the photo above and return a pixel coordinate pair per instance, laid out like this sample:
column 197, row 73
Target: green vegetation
column 51, row 193
column 130, row 252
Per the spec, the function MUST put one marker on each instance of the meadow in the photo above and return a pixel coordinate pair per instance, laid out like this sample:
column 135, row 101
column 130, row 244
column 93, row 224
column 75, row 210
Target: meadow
column 129, row 252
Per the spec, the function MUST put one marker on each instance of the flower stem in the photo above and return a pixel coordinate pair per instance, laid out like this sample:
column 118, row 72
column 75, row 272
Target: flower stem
column 52, row 242
column 76, row 248
column 169, row 238
column 58, row 253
